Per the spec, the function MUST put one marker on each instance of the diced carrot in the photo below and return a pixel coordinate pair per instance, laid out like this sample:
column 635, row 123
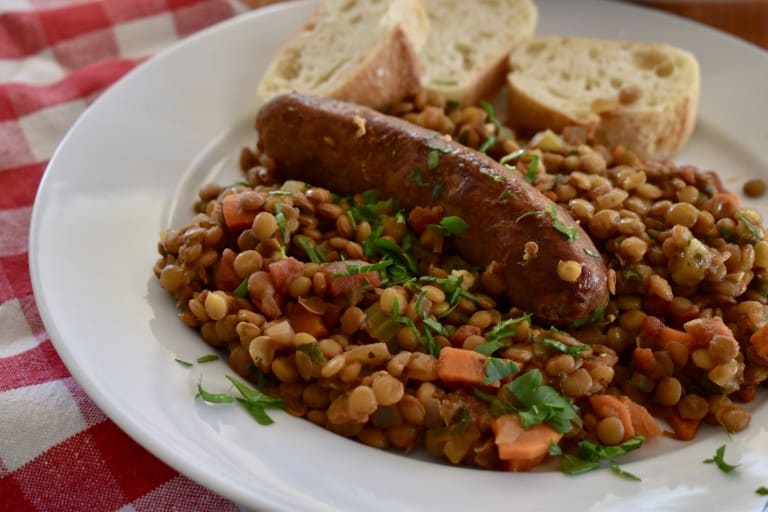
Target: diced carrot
column 421, row 216
column 746, row 394
column 522, row 448
column 643, row 360
column 704, row 329
column 457, row 366
column 668, row 335
column 464, row 332
column 226, row 278
column 235, row 217
column 348, row 283
column 284, row 271
column 606, row 406
column 759, row 341
column 304, row 320
column 684, row 429
column 642, row 420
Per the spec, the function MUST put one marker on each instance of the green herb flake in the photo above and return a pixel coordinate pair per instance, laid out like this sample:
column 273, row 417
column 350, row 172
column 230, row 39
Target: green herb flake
column 207, row 358
column 313, row 351
column 533, row 169
column 572, row 350
column 461, row 420
column 489, row 347
column 569, row 232
column 495, row 406
column 281, row 223
column 256, row 411
column 505, row 195
column 542, row 404
column 554, row 448
column 527, row 214
column 416, row 176
column 437, row 191
column 511, row 157
column 572, row 465
column 631, row 272
column 590, row 454
column 445, row 83
column 754, row 231
column 185, row 364
column 597, row 315
column 719, row 460
column 280, row 193
column 504, row 329
column 626, row 475
column 433, row 160
column 451, row 225
column 487, row 143
column 590, row 252
column 313, row 253
column 488, row 107
column 242, row 289
column 213, row 398
column 762, row 491
column 497, row 369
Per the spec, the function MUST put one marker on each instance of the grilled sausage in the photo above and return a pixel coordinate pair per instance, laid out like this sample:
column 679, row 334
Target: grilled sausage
column 349, row 149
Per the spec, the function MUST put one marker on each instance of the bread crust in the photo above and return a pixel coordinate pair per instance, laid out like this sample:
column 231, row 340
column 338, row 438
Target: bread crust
column 390, row 73
column 387, row 73
column 654, row 131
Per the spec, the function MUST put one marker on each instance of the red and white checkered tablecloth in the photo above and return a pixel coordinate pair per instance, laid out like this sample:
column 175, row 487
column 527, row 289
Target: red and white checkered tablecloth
column 58, row 451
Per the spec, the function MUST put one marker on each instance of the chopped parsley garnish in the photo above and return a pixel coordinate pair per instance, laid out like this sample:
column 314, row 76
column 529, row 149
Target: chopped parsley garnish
column 313, row 253
column 451, row 225
column 631, row 272
column 438, row 144
column 453, row 103
column 589, row 456
column 626, row 475
column 489, row 347
column 207, row 358
column 461, row 421
column 280, row 193
column 433, row 160
column 253, row 401
column 451, row 285
column 437, row 191
column 313, row 351
column 569, row 232
column 491, row 114
column 590, row 252
column 487, row 143
column 573, row 350
column 280, row 218
column 504, row 329
column 416, row 176
column 213, row 398
column 598, row 315
column 719, row 460
column 753, row 230
column 506, row 194
column 762, row 490
column 533, row 169
column 185, row 364
column 511, row 157
column 242, row 289
column 541, row 404
column 497, row 369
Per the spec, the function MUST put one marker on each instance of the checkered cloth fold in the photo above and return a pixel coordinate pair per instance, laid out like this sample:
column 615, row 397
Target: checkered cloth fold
column 58, row 451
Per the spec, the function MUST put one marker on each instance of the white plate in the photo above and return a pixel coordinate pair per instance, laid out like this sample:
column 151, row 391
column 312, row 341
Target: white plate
column 131, row 166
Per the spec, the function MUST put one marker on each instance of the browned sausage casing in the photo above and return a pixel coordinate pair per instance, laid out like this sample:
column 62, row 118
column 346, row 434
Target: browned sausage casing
column 349, row 149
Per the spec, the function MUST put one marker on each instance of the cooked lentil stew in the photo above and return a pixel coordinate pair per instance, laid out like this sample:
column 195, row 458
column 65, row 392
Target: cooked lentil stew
column 364, row 321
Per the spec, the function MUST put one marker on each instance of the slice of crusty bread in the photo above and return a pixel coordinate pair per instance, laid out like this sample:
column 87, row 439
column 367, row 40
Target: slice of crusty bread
column 642, row 96
column 364, row 51
column 465, row 57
